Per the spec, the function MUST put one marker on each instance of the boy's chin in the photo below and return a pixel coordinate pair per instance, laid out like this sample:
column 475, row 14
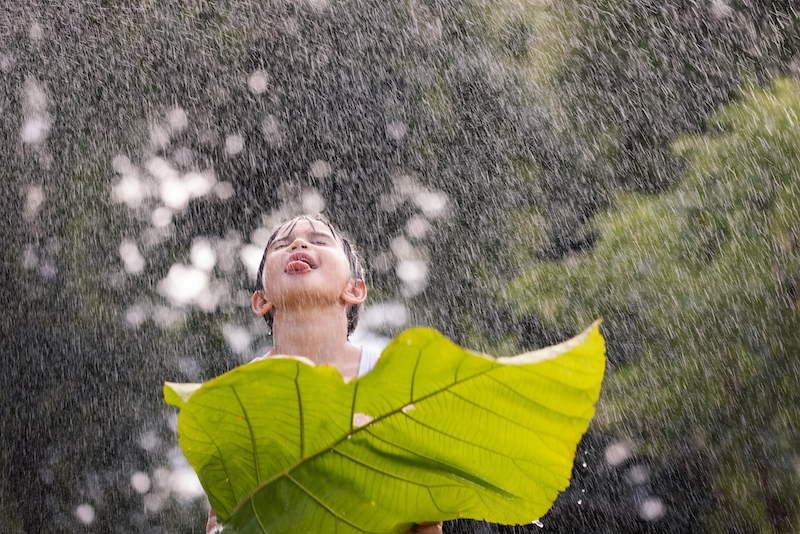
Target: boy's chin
column 307, row 297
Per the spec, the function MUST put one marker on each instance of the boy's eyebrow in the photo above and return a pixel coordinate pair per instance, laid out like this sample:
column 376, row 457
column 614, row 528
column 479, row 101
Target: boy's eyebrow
column 321, row 234
column 312, row 234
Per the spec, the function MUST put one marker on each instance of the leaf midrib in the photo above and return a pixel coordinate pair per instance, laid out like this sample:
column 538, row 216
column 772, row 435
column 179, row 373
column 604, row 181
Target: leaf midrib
column 333, row 445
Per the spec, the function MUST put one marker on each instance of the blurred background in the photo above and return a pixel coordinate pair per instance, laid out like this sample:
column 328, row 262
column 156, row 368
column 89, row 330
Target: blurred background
column 510, row 170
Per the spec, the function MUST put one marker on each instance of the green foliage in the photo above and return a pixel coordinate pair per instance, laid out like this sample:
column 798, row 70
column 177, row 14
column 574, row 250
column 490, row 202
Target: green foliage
column 633, row 75
column 698, row 288
column 434, row 432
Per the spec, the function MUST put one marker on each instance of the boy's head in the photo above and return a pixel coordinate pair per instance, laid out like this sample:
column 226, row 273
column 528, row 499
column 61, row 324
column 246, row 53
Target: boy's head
column 318, row 224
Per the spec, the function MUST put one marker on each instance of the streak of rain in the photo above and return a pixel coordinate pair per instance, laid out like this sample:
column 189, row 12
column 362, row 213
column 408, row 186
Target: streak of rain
column 510, row 171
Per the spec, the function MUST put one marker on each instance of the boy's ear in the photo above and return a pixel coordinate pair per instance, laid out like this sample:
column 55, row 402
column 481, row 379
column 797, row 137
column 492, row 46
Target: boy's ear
column 355, row 292
column 261, row 306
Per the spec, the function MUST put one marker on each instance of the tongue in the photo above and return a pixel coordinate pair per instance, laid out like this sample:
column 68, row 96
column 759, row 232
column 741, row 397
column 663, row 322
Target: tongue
column 297, row 266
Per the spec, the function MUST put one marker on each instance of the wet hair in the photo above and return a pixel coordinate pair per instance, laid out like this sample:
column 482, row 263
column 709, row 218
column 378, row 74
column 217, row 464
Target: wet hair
column 356, row 270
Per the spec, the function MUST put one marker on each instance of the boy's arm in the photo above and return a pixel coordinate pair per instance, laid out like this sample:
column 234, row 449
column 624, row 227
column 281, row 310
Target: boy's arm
column 427, row 527
column 212, row 521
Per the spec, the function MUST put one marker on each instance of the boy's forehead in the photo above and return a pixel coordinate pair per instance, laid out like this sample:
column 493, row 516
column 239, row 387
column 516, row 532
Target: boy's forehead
column 302, row 226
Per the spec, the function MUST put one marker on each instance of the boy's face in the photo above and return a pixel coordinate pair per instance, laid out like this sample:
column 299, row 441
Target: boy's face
column 306, row 265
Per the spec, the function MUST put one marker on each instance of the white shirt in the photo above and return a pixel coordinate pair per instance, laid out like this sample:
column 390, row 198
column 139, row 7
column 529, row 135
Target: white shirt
column 369, row 357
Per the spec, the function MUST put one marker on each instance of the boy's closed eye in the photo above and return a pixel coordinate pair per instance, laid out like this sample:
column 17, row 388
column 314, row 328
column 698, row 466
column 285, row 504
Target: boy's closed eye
column 314, row 239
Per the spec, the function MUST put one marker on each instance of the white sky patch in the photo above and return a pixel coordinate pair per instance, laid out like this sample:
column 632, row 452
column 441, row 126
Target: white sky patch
column 135, row 315
column 260, row 237
column 133, row 260
column 202, row 255
column 402, row 248
column 652, row 509
column 162, row 169
column 166, row 316
column 199, row 184
column 210, row 299
column 412, row 271
column 37, row 121
column 320, row 169
column 34, row 199
column 122, row 164
column 617, row 452
column 637, row 475
column 34, row 129
column 396, row 130
column 271, row 128
column 6, row 62
column 224, row 190
column 85, row 513
column 312, row 201
column 129, row 190
column 431, row 203
column 153, row 502
column 237, row 337
column 183, row 284
column 258, row 82
column 174, row 193
column 140, row 482
column 185, row 484
column 251, row 258
column 183, row 156
column 318, row 5
column 177, row 119
column 721, row 9
column 234, row 144
column 173, row 189
column 36, row 33
column 417, row 227
column 149, row 441
column 187, row 366
column 392, row 314
column 159, row 136
column 30, row 259
column 161, row 217
column 35, row 96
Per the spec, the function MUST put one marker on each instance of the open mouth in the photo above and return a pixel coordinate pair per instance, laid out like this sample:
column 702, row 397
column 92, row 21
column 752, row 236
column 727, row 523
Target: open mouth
column 300, row 262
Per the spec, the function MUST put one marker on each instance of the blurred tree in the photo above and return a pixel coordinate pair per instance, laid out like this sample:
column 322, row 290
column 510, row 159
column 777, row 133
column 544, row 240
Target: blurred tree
column 633, row 75
column 698, row 289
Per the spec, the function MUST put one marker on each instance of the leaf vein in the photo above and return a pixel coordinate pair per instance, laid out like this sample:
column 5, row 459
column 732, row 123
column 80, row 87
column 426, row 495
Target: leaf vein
column 322, row 504
column 537, row 403
column 501, row 416
column 252, row 435
column 300, row 412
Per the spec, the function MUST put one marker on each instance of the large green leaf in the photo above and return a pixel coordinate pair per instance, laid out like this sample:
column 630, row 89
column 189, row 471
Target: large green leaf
column 434, row 432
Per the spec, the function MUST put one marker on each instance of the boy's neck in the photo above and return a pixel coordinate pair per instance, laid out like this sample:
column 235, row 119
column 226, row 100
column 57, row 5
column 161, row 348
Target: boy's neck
column 316, row 333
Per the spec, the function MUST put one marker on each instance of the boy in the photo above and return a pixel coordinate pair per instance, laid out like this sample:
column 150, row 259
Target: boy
column 309, row 289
